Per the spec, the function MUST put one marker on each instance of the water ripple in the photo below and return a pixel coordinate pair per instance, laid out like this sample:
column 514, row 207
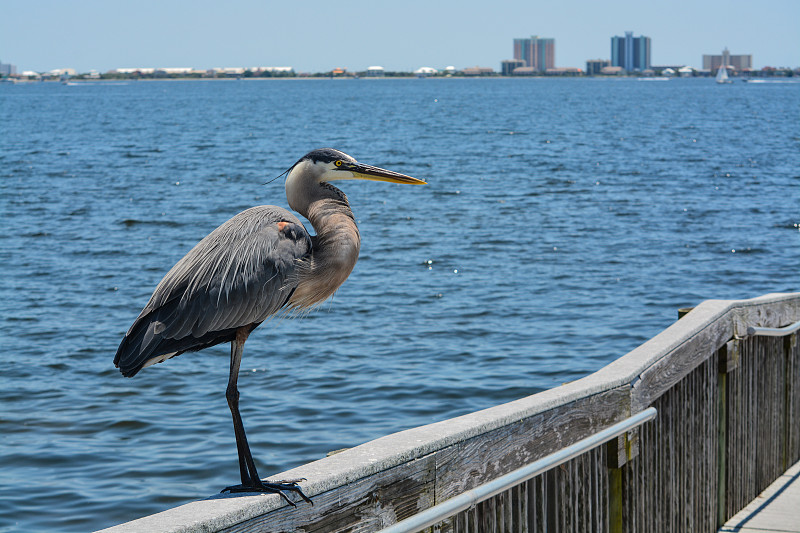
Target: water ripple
column 552, row 238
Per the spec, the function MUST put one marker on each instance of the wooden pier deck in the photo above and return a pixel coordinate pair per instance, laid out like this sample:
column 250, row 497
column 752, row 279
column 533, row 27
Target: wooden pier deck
column 776, row 510
column 727, row 399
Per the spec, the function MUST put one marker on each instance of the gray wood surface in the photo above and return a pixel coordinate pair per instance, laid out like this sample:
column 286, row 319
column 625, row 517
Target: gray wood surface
column 670, row 485
column 370, row 503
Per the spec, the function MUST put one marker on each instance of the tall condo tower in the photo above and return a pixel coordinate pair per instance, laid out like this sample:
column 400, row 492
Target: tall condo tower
column 738, row 62
column 535, row 52
column 629, row 52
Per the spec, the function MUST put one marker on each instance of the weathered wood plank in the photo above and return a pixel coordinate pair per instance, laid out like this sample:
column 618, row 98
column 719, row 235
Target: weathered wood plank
column 674, row 490
column 379, row 500
column 669, row 371
column 377, row 483
column 700, row 345
column 493, row 454
column 774, row 315
column 365, row 505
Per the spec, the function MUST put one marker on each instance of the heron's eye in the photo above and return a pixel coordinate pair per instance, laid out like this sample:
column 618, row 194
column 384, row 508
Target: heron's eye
column 338, row 163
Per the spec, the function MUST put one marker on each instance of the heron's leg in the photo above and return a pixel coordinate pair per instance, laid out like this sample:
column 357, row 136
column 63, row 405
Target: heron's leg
column 247, row 467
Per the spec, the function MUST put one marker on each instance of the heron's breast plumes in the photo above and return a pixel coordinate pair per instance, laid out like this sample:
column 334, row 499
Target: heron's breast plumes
column 334, row 255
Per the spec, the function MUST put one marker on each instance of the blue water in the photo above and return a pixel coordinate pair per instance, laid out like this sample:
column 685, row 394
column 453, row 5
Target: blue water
column 564, row 223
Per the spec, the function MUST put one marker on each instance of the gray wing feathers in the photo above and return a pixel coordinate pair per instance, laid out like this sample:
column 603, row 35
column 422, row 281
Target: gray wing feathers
column 238, row 275
column 235, row 276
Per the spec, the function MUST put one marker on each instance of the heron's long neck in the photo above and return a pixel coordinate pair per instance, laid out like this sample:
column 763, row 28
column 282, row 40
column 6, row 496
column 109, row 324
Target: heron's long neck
column 335, row 249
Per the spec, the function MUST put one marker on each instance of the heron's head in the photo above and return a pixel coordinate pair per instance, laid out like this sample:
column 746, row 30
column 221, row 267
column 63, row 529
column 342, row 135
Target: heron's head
column 327, row 164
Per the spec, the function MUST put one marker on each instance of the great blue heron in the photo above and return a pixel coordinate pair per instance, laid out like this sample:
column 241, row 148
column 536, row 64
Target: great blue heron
column 257, row 263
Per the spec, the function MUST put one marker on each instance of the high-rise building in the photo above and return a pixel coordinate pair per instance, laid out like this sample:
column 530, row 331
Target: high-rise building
column 7, row 69
column 507, row 66
column 629, row 52
column 540, row 54
column 737, row 62
column 594, row 66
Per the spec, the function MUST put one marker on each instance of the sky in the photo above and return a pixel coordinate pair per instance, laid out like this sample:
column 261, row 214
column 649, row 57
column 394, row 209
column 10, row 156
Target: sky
column 317, row 36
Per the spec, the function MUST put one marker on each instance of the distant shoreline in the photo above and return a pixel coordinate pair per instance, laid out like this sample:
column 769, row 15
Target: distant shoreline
column 84, row 80
column 315, row 78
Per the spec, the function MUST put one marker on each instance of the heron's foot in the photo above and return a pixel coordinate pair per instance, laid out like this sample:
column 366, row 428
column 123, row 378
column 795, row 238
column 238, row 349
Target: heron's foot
column 278, row 487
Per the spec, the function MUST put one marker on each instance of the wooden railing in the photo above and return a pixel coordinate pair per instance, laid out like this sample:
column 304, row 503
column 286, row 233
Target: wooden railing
column 728, row 424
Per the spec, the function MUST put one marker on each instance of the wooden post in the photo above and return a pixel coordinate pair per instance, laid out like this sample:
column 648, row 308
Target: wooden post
column 728, row 359
column 615, row 500
column 619, row 452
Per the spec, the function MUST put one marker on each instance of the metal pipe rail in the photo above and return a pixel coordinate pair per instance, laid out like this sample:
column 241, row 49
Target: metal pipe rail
column 774, row 332
column 472, row 497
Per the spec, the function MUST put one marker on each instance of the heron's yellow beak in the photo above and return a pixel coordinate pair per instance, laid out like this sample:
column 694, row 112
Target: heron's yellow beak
column 368, row 172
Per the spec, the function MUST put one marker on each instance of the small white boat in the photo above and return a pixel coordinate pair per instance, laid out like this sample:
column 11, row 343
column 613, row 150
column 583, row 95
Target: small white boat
column 722, row 75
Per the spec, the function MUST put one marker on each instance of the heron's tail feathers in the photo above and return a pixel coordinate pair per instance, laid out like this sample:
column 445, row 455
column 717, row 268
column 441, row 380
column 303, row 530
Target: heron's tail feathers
column 138, row 348
column 146, row 343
